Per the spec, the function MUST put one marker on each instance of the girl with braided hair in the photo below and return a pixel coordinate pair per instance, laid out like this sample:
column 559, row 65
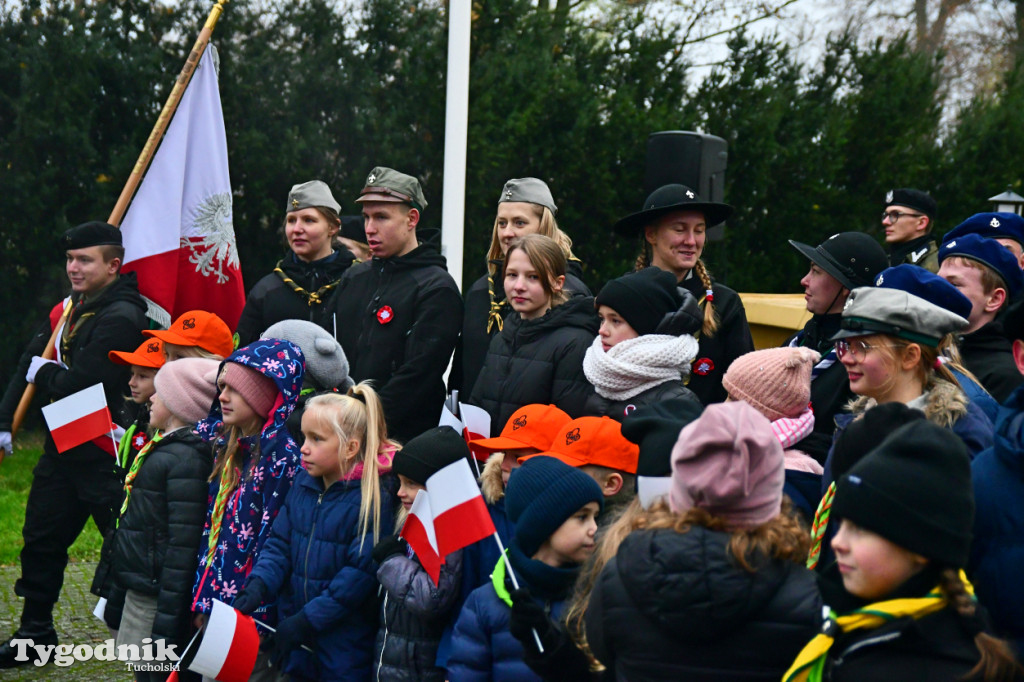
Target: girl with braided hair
column 902, row 608
column 303, row 283
column 524, row 207
column 673, row 225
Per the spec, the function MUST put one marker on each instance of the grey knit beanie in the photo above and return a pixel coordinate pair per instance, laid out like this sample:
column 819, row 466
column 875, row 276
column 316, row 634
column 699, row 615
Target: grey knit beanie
column 326, row 364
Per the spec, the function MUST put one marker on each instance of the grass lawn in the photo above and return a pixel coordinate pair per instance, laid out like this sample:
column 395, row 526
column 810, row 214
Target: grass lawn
column 15, row 480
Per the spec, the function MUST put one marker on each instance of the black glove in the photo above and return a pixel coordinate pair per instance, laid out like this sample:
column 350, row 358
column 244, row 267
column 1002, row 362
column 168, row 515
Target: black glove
column 389, row 546
column 687, row 320
column 251, row 596
column 527, row 616
column 292, row 633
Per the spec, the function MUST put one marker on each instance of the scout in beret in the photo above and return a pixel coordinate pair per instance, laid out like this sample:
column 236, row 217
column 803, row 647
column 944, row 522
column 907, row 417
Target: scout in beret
column 907, row 220
column 306, row 278
column 889, row 343
column 1005, row 228
column 525, row 206
column 986, row 273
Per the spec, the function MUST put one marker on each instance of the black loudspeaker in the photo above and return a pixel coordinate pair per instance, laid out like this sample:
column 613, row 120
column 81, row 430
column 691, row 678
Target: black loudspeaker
column 696, row 160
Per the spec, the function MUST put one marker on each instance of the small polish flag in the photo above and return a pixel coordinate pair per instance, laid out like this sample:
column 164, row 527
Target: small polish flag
column 78, row 418
column 228, row 646
column 476, row 424
column 418, row 531
column 460, row 513
column 448, row 418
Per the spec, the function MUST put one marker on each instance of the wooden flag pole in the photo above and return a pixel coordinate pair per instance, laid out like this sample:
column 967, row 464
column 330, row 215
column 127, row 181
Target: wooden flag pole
column 162, row 121
column 131, row 185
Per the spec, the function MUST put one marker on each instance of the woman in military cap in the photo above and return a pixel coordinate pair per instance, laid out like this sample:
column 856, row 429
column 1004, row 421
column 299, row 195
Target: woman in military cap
column 673, row 226
column 524, row 207
column 305, row 279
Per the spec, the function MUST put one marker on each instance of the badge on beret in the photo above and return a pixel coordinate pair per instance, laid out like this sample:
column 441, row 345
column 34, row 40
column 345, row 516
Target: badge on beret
column 994, row 222
column 385, row 314
column 703, row 366
column 878, row 282
column 371, row 179
column 951, row 244
column 888, row 197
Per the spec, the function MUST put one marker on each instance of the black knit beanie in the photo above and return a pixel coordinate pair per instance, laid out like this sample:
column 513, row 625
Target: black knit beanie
column 655, row 428
column 642, row 298
column 914, row 490
column 866, row 433
column 541, row 495
column 428, row 453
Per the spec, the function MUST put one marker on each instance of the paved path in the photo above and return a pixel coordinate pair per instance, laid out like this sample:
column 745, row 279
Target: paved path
column 74, row 622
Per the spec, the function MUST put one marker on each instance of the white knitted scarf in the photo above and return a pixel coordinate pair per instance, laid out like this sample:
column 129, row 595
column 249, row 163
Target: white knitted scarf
column 631, row 367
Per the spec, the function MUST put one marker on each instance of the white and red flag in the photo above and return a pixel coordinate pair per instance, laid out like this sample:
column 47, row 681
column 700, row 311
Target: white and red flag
column 452, row 516
column 418, row 531
column 78, row 418
column 476, row 425
column 177, row 233
column 227, row 646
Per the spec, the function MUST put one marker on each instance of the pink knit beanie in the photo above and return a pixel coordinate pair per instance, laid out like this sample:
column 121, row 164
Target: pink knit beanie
column 188, row 387
column 258, row 390
column 777, row 381
column 730, row 463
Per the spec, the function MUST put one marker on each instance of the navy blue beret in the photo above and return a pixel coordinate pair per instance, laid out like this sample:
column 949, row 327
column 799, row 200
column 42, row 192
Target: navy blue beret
column 927, row 285
column 987, row 252
column 992, row 225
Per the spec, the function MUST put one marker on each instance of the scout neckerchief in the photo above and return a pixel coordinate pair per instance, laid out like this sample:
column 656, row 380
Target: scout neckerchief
column 810, row 662
column 134, row 471
column 124, row 448
column 312, row 297
column 826, row 361
column 820, row 525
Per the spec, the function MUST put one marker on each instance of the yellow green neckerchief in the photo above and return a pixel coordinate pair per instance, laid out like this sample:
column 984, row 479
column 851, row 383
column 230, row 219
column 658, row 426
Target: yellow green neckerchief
column 312, row 297
column 498, row 580
column 810, row 662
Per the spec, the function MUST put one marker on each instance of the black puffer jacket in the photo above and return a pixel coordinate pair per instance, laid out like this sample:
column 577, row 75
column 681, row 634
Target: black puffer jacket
column 273, row 300
column 398, row 321
column 112, row 320
column 674, row 606
column 538, row 361
column 157, row 537
column 989, row 355
column 715, row 354
column 599, row 406
column 415, row 613
column 476, row 340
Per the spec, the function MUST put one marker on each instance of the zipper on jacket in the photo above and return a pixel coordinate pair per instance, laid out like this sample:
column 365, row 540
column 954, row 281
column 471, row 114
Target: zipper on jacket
column 309, row 545
column 871, row 641
column 384, row 642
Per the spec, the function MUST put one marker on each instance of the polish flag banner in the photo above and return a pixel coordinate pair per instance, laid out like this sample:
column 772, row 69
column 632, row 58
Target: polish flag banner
column 418, row 531
column 226, row 649
column 476, row 423
column 178, row 235
column 460, row 513
column 78, row 418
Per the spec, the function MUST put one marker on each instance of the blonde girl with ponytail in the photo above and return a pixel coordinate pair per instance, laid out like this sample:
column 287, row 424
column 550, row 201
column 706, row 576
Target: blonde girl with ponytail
column 673, row 230
column 317, row 564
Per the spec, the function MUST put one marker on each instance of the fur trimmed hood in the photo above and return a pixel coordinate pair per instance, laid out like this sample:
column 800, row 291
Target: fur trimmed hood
column 490, row 479
column 945, row 403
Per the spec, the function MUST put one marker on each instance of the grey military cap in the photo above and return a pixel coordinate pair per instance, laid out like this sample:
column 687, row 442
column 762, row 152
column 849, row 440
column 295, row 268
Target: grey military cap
column 878, row 310
column 312, row 194
column 530, row 191
column 389, row 185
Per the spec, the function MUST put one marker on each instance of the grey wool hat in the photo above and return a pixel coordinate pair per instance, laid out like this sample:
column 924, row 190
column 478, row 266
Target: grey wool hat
column 326, row 364
column 391, row 186
column 312, row 194
column 879, row 310
column 530, row 191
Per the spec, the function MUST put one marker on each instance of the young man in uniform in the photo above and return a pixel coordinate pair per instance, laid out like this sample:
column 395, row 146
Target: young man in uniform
column 907, row 220
column 988, row 275
column 67, row 488
column 842, row 262
column 399, row 313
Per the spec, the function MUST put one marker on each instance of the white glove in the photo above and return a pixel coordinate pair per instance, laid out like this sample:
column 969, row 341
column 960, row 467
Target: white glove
column 33, row 368
column 5, row 442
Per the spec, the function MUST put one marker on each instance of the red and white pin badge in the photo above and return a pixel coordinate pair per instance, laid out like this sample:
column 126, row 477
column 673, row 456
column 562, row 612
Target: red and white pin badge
column 385, row 314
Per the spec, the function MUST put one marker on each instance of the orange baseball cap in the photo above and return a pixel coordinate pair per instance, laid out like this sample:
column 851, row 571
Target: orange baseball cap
column 198, row 328
column 593, row 440
column 149, row 354
column 531, row 426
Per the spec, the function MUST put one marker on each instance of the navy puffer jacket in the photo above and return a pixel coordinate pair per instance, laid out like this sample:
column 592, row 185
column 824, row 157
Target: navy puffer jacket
column 317, row 562
column 675, row 606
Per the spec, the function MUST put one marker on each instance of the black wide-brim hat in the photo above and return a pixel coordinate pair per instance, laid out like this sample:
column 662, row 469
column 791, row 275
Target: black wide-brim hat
column 669, row 198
